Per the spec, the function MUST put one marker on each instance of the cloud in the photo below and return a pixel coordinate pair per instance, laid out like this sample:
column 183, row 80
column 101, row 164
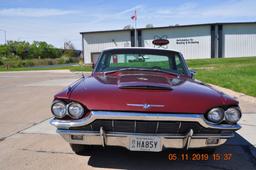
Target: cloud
column 226, row 9
column 238, row 8
column 118, row 15
column 34, row 12
column 183, row 9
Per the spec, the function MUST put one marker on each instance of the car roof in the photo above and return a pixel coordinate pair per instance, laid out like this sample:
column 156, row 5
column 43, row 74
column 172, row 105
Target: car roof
column 139, row 48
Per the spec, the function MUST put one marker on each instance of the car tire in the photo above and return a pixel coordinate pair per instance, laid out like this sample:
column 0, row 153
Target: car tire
column 81, row 149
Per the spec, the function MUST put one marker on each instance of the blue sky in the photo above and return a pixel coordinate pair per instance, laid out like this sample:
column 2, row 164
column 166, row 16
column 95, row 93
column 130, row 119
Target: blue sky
column 56, row 21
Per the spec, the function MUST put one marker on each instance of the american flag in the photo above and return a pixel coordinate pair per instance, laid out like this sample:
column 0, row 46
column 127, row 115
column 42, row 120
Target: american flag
column 134, row 16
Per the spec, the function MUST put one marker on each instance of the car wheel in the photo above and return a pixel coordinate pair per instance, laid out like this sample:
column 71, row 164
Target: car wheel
column 81, row 149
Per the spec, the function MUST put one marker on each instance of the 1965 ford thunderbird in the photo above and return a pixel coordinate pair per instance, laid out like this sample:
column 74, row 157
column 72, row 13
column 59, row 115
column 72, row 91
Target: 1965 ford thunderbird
column 144, row 100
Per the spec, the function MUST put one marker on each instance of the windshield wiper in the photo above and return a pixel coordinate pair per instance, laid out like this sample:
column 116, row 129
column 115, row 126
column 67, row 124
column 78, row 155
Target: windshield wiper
column 140, row 69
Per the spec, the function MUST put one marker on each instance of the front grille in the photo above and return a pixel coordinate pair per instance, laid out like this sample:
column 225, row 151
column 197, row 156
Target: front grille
column 159, row 127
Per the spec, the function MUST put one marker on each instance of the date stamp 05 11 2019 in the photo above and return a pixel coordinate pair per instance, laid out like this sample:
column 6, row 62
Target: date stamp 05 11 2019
column 199, row 156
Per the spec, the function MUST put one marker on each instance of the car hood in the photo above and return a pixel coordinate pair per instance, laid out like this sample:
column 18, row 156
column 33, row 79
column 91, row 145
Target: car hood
column 146, row 93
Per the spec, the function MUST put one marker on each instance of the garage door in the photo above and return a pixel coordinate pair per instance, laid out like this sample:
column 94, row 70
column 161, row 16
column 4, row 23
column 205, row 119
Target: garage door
column 94, row 57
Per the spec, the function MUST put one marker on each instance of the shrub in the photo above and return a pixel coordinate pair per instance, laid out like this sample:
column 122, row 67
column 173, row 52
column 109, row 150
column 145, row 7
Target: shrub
column 28, row 63
column 74, row 60
column 64, row 59
column 11, row 62
column 14, row 61
column 81, row 62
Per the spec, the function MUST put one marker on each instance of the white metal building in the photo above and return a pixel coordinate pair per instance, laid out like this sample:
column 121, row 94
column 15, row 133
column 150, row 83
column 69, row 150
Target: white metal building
column 214, row 40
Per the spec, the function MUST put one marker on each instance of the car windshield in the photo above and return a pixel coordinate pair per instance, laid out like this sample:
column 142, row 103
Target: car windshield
column 155, row 60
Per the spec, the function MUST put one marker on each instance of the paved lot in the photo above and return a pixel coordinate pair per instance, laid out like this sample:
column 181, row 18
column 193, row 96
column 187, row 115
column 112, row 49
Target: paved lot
column 25, row 98
column 28, row 142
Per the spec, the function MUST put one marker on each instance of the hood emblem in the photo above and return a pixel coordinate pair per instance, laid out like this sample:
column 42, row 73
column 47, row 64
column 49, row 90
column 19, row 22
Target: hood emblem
column 145, row 106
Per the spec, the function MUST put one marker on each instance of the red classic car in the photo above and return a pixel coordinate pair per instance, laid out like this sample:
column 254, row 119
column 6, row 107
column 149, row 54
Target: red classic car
column 144, row 100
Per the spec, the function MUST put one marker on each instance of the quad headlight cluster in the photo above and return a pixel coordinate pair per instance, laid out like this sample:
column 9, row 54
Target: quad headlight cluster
column 217, row 115
column 73, row 109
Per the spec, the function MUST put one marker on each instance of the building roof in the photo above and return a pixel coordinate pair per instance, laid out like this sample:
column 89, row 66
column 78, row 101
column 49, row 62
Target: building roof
column 171, row 26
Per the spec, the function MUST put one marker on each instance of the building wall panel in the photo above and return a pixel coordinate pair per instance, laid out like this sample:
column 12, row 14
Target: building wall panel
column 228, row 40
column 192, row 42
column 239, row 40
column 96, row 42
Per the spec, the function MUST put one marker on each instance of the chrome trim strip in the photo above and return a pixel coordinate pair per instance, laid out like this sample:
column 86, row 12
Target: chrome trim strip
column 109, row 115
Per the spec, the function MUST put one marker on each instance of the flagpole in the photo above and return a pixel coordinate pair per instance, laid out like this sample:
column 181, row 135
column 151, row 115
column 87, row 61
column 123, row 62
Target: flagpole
column 135, row 29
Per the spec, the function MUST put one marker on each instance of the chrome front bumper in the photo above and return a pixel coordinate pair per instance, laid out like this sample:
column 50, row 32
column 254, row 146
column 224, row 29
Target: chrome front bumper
column 123, row 139
column 190, row 140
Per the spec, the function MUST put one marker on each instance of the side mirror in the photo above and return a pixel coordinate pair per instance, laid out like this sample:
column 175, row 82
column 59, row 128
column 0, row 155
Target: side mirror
column 93, row 65
column 192, row 73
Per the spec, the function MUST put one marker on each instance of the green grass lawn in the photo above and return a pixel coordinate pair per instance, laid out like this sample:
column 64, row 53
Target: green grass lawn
column 238, row 74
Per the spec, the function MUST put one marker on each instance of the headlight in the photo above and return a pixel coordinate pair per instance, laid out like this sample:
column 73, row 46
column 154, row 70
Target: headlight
column 58, row 109
column 75, row 110
column 215, row 115
column 232, row 115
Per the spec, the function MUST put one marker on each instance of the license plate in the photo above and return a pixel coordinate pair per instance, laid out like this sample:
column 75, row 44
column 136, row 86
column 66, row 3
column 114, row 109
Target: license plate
column 145, row 143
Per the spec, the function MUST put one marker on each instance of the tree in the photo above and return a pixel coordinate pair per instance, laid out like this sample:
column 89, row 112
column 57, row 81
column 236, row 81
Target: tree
column 40, row 49
column 25, row 50
column 3, row 51
column 34, row 50
column 18, row 48
column 22, row 49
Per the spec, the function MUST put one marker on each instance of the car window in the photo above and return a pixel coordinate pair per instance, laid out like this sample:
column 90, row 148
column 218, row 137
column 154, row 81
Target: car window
column 179, row 64
column 116, row 61
column 142, row 61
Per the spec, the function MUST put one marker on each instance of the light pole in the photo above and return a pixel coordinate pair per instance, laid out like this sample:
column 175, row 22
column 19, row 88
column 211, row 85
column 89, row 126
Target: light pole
column 4, row 35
